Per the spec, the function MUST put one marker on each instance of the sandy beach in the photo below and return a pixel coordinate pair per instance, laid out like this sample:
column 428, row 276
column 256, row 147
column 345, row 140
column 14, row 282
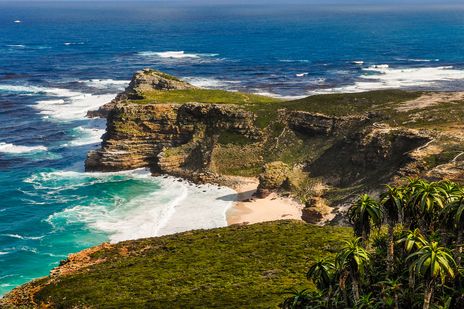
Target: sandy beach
column 249, row 210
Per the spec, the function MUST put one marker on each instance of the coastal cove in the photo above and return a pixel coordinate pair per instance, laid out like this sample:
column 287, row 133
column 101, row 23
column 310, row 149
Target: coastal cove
column 123, row 121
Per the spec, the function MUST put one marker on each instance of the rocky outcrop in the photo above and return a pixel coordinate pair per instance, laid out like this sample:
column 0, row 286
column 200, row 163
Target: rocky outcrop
column 315, row 124
column 373, row 155
column 353, row 153
column 142, row 81
column 167, row 138
column 273, row 177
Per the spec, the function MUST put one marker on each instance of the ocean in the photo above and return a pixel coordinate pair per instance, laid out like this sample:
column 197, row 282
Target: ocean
column 58, row 60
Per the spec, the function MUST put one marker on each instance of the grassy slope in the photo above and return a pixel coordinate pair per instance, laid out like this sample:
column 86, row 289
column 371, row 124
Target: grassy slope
column 383, row 102
column 235, row 267
column 266, row 108
column 202, row 96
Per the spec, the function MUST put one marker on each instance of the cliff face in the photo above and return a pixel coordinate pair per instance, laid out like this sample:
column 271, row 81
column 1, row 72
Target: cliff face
column 167, row 138
column 350, row 144
column 316, row 124
column 373, row 155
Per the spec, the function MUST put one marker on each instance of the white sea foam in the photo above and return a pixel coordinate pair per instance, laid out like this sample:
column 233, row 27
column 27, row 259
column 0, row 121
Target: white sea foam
column 4, row 253
column 22, row 237
column 176, row 55
column 302, row 74
column 180, row 57
column 205, row 82
column 27, row 249
column 74, row 106
column 358, row 62
column 17, row 21
column 73, row 43
column 417, row 59
column 106, row 83
column 383, row 76
column 65, row 104
column 294, row 60
column 22, row 89
column 378, row 66
column 275, row 95
column 173, row 206
column 87, row 136
column 16, row 149
column 16, row 45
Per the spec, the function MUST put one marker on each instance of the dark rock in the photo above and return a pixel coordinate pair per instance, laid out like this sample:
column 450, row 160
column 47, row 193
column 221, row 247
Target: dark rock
column 311, row 215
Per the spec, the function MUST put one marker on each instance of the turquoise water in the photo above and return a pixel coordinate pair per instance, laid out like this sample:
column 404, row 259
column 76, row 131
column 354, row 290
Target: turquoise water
column 63, row 59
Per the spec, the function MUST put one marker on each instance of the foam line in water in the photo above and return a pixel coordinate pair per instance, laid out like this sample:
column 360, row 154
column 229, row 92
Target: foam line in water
column 275, row 95
column 63, row 104
column 169, row 206
column 74, row 106
column 106, row 83
column 17, row 149
column 212, row 83
column 89, row 134
column 176, row 54
column 22, row 237
column 170, row 57
column 383, row 76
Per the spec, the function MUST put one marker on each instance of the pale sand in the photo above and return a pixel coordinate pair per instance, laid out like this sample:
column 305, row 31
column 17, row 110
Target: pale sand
column 249, row 210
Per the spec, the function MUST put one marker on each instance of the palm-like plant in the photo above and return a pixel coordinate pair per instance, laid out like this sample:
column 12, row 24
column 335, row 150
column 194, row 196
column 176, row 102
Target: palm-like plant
column 453, row 189
column 432, row 262
column 413, row 240
column 364, row 214
column 427, row 200
column 453, row 221
column 366, row 302
column 354, row 260
column 322, row 274
column 296, row 299
column 393, row 202
column 392, row 289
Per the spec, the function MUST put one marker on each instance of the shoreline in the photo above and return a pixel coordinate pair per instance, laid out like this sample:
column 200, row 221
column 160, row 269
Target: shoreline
column 249, row 210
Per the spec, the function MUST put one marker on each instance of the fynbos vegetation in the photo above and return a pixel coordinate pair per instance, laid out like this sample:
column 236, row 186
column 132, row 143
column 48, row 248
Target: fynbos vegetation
column 407, row 253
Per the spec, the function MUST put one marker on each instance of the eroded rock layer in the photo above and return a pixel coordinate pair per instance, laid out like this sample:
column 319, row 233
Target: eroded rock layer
column 346, row 150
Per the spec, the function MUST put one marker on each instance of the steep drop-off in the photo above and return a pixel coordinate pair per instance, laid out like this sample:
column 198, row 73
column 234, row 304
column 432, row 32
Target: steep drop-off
column 349, row 143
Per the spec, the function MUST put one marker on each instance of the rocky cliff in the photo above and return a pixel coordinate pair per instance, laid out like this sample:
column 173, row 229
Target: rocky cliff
column 167, row 138
column 350, row 143
column 142, row 82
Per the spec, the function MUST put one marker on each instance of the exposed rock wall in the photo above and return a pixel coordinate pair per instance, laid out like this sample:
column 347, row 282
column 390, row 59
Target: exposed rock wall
column 315, row 124
column 166, row 137
column 201, row 142
column 373, row 155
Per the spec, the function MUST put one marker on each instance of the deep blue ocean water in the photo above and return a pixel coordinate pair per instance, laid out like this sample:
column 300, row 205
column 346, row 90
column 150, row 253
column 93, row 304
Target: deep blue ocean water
column 59, row 60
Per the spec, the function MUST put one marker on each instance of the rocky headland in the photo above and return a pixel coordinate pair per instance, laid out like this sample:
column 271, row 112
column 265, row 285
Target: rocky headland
column 343, row 143
column 319, row 152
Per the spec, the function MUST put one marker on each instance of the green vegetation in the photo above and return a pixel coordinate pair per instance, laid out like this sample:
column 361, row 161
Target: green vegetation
column 346, row 104
column 202, row 96
column 266, row 108
column 233, row 267
column 235, row 138
column 239, row 160
column 415, row 263
column 163, row 75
